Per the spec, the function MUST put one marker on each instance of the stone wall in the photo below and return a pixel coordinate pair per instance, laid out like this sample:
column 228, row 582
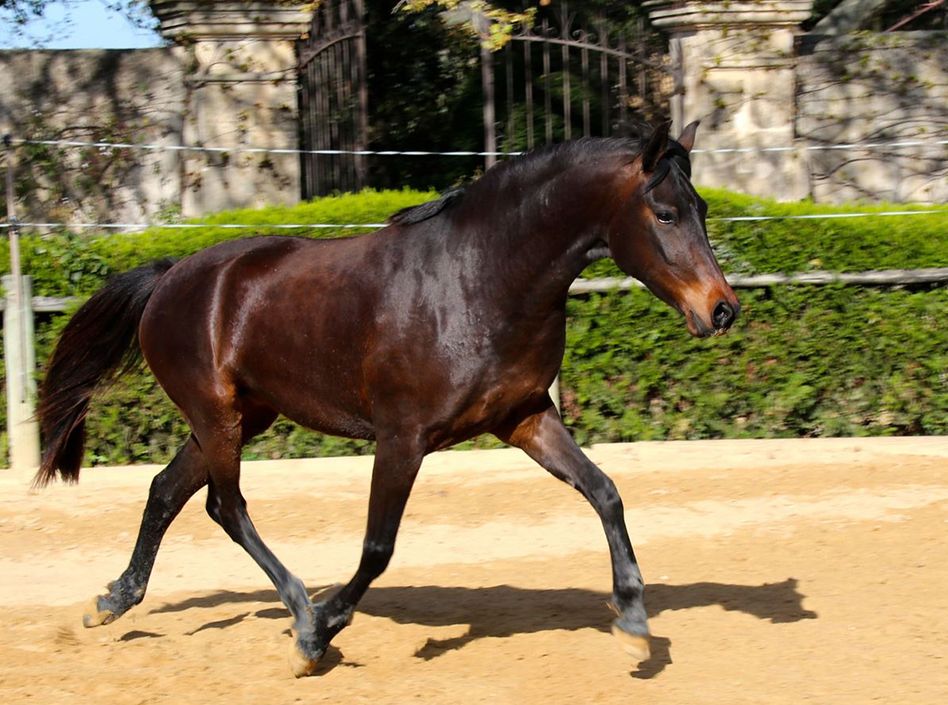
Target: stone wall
column 866, row 87
column 228, row 81
column 93, row 95
column 735, row 69
column 240, row 78
column 757, row 82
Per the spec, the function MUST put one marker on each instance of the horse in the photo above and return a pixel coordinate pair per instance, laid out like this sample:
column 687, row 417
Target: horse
column 447, row 323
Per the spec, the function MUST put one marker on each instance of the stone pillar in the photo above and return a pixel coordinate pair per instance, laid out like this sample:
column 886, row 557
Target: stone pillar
column 735, row 66
column 239, row 65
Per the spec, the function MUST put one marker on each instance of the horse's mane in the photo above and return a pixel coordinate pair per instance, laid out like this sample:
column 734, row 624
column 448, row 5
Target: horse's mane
column 550, row 158
column 416, row 214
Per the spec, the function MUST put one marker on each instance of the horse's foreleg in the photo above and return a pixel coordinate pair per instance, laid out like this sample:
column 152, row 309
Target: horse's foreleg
column 543, row 437
column 169, row 492
column 396, row 465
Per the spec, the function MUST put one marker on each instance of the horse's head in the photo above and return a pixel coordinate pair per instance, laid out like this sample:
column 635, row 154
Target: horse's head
column 659, row 237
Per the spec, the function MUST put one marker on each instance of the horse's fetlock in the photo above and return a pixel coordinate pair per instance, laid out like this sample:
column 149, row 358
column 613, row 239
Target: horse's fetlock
column 124, row 594
column 339, row 620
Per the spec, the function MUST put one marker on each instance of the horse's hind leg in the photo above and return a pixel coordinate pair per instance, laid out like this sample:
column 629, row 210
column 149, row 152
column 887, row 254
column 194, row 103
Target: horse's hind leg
column 227, row 506
column 544, row 438
column 169, row 492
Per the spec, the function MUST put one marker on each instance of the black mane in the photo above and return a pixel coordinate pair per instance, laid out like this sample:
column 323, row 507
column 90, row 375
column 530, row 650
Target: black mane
column 416, row 214
column 550, row 158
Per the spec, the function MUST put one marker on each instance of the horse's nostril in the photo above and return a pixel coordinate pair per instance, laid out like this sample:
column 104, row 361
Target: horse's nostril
column 723, row 315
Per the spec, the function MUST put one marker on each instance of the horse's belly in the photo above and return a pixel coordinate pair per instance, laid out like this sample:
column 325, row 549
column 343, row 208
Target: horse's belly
column 322, row 393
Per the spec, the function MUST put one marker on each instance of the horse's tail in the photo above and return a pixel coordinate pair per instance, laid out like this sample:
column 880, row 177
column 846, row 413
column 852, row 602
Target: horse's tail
column 98, row 345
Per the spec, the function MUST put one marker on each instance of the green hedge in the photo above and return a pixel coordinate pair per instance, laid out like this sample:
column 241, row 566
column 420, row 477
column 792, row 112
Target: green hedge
column 803, row 360
column 69, row 264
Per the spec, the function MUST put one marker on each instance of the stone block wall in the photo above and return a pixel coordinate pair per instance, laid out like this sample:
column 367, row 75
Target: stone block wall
column 102, row 96
column 228, row 81
column 871, row 87
column 747, row 71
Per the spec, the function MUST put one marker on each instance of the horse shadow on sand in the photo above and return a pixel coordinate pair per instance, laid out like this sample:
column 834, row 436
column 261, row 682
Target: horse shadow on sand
column 504, row 610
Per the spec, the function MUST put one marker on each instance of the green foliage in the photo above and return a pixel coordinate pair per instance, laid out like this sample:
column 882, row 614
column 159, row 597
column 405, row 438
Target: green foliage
column 491, row 24
column 802, row 361
column 850, row 244
column 66, row 264
column 836, row 244
column 426, row 95
column 134, row 421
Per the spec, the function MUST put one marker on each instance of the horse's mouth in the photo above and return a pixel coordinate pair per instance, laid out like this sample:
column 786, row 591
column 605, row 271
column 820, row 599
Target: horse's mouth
column 698, row 328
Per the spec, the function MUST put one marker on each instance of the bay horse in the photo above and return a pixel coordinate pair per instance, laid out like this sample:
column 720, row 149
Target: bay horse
column 445, row 324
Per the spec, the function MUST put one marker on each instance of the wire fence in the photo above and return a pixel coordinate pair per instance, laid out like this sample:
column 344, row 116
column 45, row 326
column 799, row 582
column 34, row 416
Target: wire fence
column 878, row 277
column 895, row 144
column 373, row 226
column 13, row 142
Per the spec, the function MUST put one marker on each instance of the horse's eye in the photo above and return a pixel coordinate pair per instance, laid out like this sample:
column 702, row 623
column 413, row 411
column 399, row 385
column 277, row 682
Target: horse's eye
column 665, row 217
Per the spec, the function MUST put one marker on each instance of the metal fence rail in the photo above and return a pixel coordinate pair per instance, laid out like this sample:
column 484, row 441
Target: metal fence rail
column 882, row 277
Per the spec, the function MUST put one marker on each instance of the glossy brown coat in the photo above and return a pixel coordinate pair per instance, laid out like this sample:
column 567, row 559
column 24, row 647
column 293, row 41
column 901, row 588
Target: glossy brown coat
column 446, row 324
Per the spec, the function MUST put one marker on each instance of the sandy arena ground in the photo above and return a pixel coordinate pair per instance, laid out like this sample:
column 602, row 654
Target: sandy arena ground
column 778, row 572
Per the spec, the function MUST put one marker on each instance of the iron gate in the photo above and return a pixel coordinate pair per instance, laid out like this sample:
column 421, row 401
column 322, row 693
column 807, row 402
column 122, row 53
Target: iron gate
column 333, row 98
column 567, row 77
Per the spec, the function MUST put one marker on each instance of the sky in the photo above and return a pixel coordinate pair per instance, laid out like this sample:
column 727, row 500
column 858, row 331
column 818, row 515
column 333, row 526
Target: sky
column 88, row 24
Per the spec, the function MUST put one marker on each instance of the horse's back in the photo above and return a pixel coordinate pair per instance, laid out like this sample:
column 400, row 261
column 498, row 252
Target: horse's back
column 273, row 320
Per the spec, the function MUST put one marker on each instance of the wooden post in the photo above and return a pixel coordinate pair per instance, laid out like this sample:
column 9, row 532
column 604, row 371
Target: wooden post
column 20, row 358
column 487, row 82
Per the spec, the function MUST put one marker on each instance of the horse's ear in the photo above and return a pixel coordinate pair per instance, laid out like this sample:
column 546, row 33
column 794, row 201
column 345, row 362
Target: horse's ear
column 687, row 138
column 655, row 148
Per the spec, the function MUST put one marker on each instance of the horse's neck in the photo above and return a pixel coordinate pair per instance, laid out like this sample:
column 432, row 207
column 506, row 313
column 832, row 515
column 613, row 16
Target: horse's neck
column 545, row 246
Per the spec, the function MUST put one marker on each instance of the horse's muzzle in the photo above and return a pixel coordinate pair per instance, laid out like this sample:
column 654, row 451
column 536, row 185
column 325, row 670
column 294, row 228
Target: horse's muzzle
column 722, row 317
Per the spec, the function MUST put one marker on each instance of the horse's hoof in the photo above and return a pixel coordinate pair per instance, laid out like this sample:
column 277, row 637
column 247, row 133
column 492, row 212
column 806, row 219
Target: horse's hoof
column 95, row 617
column 301, row 663
column 635, row 645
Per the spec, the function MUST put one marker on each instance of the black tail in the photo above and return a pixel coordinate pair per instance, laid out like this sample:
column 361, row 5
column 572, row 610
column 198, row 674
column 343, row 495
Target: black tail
column 97, row 346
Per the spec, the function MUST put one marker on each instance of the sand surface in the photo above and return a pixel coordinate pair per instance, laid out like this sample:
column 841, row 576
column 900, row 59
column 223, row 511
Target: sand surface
column 778, row 572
